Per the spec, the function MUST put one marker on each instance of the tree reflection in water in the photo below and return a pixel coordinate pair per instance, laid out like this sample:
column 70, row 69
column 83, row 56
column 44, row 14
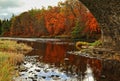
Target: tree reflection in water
column 55, row 53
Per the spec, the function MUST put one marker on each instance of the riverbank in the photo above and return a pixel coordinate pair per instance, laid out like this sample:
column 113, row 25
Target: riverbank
column 11, row 54
column 95, row 50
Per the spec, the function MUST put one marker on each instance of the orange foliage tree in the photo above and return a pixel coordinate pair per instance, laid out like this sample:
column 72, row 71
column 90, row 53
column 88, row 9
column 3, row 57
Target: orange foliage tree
column 58, row 20
column 91, row 24
column 55, row 21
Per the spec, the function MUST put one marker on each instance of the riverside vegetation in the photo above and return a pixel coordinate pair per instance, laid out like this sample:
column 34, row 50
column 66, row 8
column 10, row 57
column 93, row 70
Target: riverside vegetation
column 95, row 49
column 11, row 54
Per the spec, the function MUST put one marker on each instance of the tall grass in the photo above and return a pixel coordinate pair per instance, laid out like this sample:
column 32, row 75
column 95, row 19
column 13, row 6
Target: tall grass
column 6, row 70
column 10, row 55
column 7, row 64
column 13, row 46
column 13, row 58
column 3, row 57
column 5, row 67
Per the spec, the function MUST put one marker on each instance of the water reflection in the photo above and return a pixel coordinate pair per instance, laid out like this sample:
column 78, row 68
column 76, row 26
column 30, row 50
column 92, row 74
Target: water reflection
column 79, row 68
column 89, row 74
column 55, row 53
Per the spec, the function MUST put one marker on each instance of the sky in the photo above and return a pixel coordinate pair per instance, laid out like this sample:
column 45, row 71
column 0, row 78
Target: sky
column 10, row 7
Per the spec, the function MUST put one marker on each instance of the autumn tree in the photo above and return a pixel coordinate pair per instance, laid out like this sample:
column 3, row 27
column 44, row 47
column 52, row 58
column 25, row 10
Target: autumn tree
column 22, row 25
column 92, row 29
column 69, row 18
column 65, row 8
column 91, row 24
column 29, row 24
column 39, row 24
column 55, row 21
column 80, row 13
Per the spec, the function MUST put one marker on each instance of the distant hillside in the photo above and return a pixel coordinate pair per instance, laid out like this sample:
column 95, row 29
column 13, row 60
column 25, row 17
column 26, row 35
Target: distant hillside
column 70, row 19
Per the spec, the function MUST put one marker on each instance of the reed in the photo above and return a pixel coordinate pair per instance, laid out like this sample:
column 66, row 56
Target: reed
column 6, row 70
column 3, row 57
column 15, row 59
column 11, row 54
column 13, row 46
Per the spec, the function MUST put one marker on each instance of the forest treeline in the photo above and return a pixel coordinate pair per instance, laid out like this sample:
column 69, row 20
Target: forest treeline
column 68, row 19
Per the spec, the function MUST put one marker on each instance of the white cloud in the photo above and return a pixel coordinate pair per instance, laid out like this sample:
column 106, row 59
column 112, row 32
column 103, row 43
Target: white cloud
column 10, row 7
column 9, row 3
column 5, row 14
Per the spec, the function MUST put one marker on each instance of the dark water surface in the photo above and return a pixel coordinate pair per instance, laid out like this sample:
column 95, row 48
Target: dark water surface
column 74, row 67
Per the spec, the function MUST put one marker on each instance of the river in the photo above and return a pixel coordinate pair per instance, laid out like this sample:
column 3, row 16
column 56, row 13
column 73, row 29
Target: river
column 53, row 62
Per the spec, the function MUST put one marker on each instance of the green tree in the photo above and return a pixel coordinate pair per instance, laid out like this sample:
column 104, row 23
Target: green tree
column 77, row 31
column 6, row 24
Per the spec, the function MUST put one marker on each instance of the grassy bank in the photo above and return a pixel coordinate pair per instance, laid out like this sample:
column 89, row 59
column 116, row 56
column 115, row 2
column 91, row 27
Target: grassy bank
column 13, row 46
column 11, row 54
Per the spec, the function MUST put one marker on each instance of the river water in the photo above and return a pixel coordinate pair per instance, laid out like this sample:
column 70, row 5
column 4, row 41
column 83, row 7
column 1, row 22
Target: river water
column 53, row 60
column 54, row 54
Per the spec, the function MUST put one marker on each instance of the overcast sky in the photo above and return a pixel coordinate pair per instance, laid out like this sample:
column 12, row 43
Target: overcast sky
column 9, row 7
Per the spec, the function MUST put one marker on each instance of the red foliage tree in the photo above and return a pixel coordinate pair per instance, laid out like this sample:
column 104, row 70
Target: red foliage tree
column 55, row 21
column 91, row 24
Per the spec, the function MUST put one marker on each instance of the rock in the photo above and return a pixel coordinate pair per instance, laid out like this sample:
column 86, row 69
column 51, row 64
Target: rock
column 66, row 59
column 46, row 70
column 31, row 76
column 16, row 68
column 43, row 77
column 34, row 80
column 33, row 63
column 55, row 77
column 35, row 75
column 52, row 75
column 103, row 76
column 84, row 47
column 25, row 63
column 22, row 68
column 21, row 74
column 30, row 71
column 37, row 70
